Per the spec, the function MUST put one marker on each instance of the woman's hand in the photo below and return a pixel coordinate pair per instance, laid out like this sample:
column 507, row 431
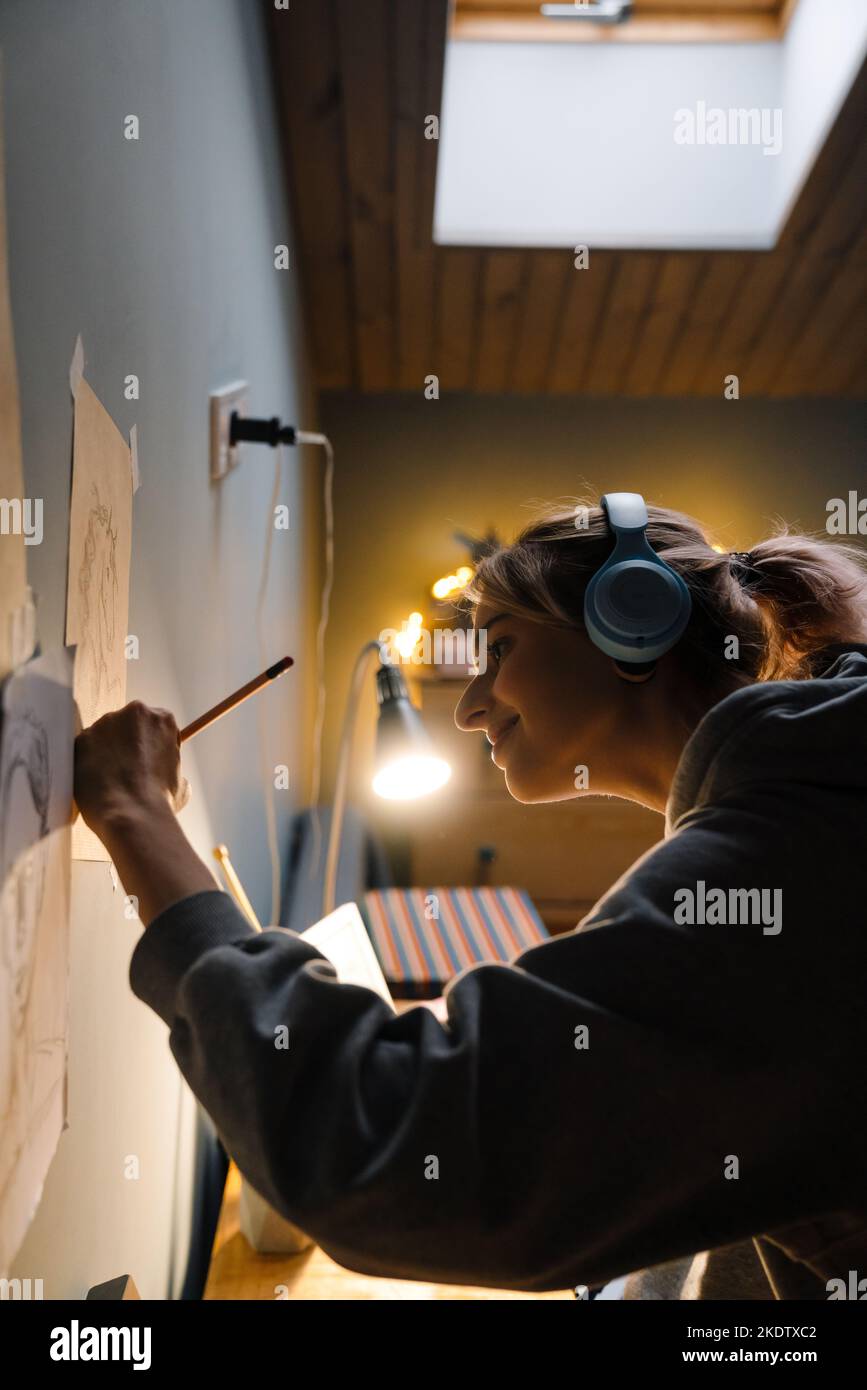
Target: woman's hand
column 128, row 759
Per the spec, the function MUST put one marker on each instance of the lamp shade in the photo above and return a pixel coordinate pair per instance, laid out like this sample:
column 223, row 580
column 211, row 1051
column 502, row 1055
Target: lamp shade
column 406, row 764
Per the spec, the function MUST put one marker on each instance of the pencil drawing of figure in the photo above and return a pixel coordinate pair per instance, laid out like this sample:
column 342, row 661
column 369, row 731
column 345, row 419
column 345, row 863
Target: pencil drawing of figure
column 98, row 594
column 37, row 730
column 31, row 1036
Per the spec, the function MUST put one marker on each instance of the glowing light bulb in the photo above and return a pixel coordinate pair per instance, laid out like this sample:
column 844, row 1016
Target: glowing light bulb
column 409, row 777
column 450, row 583
column 407, row 639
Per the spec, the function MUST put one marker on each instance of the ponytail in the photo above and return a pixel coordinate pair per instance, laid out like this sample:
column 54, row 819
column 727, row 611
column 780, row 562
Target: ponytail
column 811, row 594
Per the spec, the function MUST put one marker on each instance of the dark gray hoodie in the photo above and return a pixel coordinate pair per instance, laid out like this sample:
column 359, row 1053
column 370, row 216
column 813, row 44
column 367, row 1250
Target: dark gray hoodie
column 632, row 1094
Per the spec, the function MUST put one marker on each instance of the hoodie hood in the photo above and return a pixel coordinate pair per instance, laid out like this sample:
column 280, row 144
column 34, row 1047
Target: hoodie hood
column 812, row 733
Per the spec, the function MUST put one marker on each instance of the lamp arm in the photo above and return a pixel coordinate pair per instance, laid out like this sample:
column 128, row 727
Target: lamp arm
column 335, row 831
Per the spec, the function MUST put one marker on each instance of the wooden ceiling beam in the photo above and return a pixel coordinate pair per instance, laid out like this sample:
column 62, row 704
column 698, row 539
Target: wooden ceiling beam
column 629, row 298
column 543, row 301
column 655, row 333
column 414, row 267
column 580, row 322
column 307, row 80
column 365, row 43
column 503, row 275
column 457, row 316
column 705, row 313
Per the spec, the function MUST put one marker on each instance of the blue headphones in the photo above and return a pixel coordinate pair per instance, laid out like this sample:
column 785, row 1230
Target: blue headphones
column 636, row 606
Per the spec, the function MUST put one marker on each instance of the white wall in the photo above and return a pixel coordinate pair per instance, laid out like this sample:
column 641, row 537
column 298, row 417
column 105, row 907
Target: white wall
column 160, row 253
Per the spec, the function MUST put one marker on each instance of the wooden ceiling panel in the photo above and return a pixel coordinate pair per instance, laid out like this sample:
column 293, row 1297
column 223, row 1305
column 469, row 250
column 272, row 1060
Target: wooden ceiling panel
column 580, row 323
column 631, row 286
column 547, row 279
column 655, row 334
column 365, row 34
column 704, row 314
column 308, row 85
column 502, row 291
column 413, row 179
column 386, row 308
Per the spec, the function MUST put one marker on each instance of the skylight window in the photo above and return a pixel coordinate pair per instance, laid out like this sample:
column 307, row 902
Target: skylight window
column 639, row 145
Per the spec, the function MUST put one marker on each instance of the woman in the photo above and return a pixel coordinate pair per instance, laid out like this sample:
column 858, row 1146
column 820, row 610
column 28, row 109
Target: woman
column 682, row 1073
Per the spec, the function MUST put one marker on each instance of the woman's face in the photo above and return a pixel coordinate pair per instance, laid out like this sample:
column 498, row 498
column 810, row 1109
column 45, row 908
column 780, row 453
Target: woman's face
column 546, row 702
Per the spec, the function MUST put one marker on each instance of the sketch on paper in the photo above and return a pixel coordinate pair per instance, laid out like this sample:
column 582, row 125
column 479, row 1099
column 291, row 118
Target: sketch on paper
column 13, row 565
column 97, row 594
column 97, row 591
column 36, row 764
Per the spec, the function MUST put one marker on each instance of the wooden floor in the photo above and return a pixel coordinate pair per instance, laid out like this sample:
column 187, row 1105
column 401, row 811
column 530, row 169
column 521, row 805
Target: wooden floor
column 237, row 1272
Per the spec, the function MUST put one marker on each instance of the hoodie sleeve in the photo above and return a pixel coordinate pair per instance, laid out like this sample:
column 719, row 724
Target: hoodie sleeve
column 623, row 1095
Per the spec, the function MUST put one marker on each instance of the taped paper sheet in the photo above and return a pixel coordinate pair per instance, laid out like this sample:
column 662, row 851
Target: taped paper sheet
column 97, row 591
column 76, row 366
column 133, row 453
column 13, row 565
column 35, row 808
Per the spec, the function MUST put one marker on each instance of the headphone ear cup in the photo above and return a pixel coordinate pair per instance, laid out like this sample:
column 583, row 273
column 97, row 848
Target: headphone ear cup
column 637, row 599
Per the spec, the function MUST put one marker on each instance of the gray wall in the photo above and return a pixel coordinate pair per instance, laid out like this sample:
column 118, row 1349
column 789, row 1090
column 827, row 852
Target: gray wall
column 414, row 470
column 160, row 253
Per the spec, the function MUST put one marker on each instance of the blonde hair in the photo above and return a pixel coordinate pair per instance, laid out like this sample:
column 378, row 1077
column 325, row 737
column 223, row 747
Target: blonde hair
column 796, row 595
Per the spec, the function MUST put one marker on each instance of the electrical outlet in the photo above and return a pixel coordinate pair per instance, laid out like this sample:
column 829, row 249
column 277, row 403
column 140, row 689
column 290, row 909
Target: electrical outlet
column 223, row 403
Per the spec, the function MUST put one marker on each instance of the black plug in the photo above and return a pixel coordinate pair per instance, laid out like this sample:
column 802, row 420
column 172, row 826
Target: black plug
column 244, row 430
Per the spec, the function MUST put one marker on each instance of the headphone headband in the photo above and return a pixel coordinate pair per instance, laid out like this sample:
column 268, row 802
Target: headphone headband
column 626, row 511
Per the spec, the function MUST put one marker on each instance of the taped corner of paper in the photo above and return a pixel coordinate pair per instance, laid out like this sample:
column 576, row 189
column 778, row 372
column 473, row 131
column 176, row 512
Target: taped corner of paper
column 76, row 366
column 133, row 458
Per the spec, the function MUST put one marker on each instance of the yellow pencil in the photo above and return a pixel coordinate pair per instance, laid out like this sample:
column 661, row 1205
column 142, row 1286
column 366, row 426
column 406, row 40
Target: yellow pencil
column 221, row 854
column 235, row 699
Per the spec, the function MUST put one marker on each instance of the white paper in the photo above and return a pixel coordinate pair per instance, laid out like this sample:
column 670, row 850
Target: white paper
column 76, row 366
column 133, row 456
column 23, row 640
column 97, row 589
column 342, row 938
column 36, row 766
column 13, row 562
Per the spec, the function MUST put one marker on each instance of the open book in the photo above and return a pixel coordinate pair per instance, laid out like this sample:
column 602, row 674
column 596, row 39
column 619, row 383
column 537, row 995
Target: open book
column 342, row 938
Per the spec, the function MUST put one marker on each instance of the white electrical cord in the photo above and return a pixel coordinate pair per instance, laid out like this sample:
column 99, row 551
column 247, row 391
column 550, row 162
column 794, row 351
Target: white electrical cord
column 264, row 661
column 303, row 437
column 341, row 785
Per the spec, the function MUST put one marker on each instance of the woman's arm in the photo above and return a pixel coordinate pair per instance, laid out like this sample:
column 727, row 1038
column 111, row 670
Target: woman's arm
column 155, row 860
column 127, row 781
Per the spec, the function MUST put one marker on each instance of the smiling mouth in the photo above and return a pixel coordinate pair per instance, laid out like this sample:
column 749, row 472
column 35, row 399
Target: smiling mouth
column 501, row 737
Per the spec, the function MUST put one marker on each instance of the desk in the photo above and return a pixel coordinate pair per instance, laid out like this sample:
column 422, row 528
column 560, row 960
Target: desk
column 237, row 1272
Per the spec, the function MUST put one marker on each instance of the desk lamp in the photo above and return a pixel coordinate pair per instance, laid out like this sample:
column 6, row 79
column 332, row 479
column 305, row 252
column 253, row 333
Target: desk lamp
column 406, row 764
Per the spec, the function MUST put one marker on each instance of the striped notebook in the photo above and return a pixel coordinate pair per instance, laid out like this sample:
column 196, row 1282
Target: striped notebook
column 425, row 936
